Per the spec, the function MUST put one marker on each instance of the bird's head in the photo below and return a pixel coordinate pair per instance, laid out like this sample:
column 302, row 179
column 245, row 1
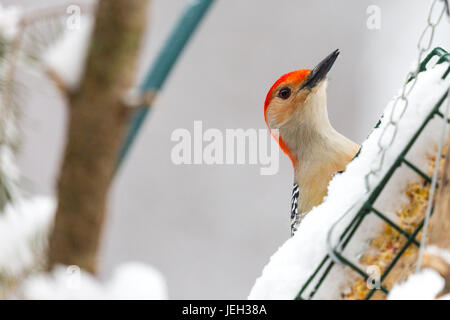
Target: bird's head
column 298, row 99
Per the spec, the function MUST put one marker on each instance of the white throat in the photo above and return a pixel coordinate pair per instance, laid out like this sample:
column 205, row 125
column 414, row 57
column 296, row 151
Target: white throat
column 309, row 128
column 318, row 150
column 311, row 138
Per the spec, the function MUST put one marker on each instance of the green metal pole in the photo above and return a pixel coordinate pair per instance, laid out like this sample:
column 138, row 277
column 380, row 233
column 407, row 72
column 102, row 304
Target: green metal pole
column 166, row 59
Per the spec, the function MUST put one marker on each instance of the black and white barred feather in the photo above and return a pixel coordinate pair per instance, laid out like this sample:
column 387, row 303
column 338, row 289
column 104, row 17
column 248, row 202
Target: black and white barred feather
column 295, row 217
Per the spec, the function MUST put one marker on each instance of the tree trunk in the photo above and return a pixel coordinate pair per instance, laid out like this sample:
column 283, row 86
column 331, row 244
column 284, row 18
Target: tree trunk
column 440, row 221
column 97, row 124
column 440, row 227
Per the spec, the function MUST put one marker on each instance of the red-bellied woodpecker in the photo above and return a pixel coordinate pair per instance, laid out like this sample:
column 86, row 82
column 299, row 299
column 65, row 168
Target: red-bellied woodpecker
column 295, row 111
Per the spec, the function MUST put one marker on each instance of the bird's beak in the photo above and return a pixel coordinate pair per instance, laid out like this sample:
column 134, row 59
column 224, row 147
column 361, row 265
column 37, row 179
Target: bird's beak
column 320, row 71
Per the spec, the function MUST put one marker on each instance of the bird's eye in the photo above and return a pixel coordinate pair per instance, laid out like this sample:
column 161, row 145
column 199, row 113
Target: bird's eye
column 284, row 93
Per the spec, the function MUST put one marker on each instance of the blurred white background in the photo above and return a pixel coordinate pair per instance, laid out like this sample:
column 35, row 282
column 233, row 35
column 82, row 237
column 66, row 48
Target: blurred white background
column 211, row 229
